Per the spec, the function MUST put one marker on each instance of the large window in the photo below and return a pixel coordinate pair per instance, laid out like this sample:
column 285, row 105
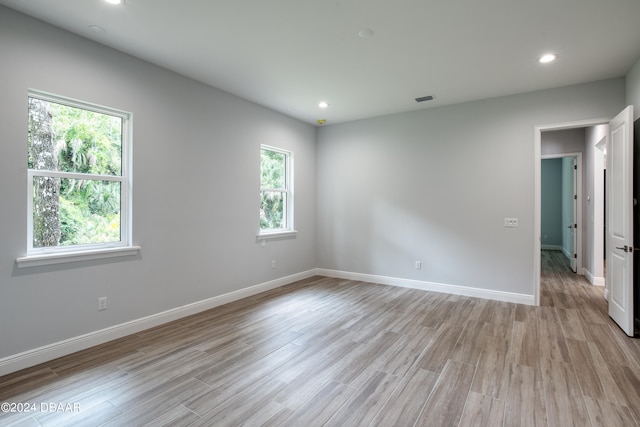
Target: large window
column 78, row 176
column 276, row 195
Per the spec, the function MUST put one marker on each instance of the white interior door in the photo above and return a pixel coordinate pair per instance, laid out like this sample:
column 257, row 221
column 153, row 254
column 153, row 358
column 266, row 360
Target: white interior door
column 620, row 220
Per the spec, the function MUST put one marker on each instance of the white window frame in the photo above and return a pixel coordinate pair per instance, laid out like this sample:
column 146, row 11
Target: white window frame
column 63, row 254
column 288, row 230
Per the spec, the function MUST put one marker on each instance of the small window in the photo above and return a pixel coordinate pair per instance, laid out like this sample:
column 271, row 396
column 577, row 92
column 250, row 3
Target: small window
column 276, row 195
column 78, row 176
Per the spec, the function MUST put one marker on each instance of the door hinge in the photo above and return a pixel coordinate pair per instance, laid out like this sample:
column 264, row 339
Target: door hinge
column 575, row 256
column 575, row 225
column 575, row 167
column 575, row 197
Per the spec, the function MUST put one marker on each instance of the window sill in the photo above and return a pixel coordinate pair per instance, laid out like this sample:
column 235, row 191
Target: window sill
column 277, row 235
column 87, row 255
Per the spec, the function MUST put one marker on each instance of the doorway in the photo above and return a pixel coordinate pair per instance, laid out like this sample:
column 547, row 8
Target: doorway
column 593, row 217
column 561, row 206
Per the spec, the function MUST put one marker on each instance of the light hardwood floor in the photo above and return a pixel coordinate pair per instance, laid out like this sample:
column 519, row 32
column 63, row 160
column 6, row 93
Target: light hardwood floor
column 341, row 353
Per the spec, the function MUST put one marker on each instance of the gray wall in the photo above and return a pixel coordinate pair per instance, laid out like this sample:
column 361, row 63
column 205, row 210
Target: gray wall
column 551, row 202
column 195, row 197
column 563, row 141
column 633, row 89
column 436, row 185
column 594, row 211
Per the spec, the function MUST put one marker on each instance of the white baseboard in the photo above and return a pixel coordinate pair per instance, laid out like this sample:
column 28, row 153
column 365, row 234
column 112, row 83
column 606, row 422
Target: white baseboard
column 552, row 248
column 62, row 348
column 430, row 286
column 595, row 281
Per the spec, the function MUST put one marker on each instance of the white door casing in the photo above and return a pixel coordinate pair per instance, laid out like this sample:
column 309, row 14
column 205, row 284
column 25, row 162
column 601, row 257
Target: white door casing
column 537, row 156
column 574, row 215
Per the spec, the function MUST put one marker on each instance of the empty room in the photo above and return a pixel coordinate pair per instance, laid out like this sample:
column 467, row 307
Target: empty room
column 310, row 212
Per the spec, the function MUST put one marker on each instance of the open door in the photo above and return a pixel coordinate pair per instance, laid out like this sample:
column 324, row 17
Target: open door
column 619, row 252
column 574, row 218
column 570, row 210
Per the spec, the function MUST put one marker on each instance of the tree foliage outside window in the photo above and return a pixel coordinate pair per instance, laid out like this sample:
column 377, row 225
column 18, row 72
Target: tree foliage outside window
column 275, row 190
column 75, row 162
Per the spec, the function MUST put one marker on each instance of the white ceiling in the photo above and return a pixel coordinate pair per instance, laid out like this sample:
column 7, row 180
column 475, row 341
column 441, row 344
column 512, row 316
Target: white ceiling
column 291, row 54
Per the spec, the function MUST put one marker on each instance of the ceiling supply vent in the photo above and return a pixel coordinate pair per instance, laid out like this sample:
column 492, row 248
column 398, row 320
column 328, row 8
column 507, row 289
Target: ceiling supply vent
column 424, row 98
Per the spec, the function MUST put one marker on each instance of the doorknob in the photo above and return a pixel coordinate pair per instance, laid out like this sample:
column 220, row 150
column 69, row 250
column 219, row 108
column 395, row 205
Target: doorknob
column 627, row 248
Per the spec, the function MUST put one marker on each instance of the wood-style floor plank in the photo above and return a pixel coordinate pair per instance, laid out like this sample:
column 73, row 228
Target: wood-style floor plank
column 407, row 351
column 492, row 372
column 565, row 402
column 525, row 405
column 365, row 402
column 442, row 345
column 326, row 351
column 448, row 398
column 320, row 407
column 481, row 411
column 629, row 382
column 606, row 414
column 407, row 401
column 595, row 378
column 552, row 341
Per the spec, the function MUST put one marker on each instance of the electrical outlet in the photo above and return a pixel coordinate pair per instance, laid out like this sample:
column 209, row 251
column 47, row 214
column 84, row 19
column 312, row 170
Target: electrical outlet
column 511, row 222
column 273, row 263
column 418, row 265
column 102, row 303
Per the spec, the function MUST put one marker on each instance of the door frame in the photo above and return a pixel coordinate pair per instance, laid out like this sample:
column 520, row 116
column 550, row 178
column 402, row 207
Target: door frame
column 579, row 208
column 597, row 275
column 537, row 176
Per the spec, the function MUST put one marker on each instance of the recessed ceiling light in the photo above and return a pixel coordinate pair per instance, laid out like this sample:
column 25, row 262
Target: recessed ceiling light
column 323, row 104
column 549, row 57
column 365, row 33
column 115, row 1
column 96, row 29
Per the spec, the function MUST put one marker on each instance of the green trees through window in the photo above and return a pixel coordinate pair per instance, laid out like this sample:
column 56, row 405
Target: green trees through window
column 275, row 189
column 75, row 161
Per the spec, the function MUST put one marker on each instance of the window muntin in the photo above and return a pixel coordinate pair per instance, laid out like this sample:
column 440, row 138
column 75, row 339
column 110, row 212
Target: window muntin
column 78, row 176
column 276, row 195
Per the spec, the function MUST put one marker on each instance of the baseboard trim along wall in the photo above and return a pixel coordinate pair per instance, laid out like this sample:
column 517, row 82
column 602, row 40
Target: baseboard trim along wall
column 595, row 281
column 430, row 286
column 62, row 348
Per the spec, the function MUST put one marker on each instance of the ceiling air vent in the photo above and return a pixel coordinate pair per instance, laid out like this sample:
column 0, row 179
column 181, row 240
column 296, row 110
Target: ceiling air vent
column 424, row 98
